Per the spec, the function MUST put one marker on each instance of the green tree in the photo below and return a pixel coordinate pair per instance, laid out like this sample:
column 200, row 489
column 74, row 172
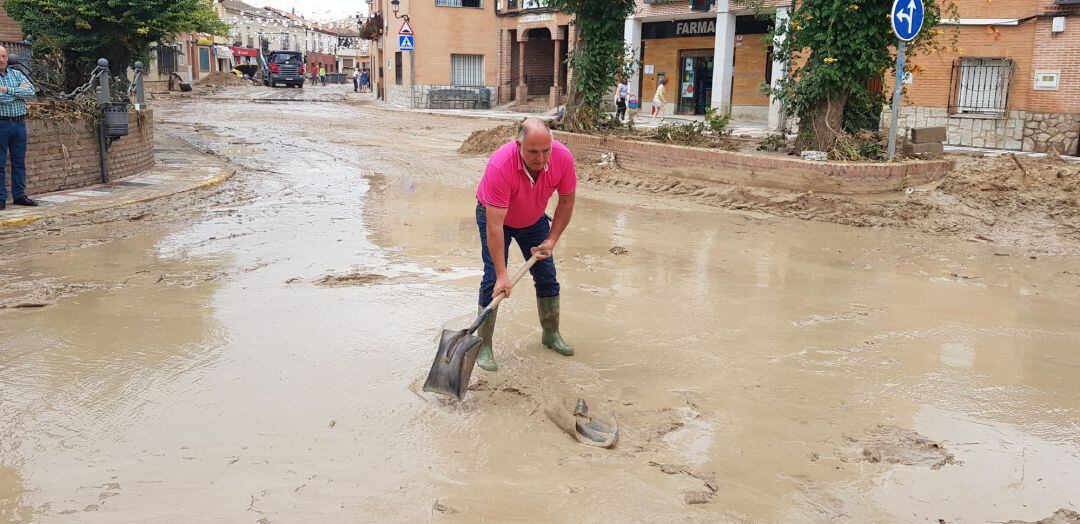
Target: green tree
column 82, row 31
column 840, row 46
column 599, row 56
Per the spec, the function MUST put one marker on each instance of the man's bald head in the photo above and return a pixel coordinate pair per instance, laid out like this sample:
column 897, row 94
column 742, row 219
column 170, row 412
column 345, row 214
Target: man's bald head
column 3, row 58
column 532, row 125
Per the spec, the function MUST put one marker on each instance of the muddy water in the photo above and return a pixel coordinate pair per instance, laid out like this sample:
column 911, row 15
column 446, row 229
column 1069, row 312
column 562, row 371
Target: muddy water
column 263, row 361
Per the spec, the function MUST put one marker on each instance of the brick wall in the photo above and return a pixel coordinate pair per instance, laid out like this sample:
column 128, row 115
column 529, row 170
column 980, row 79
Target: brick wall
column 758, row 170
column 64, row 155
column 9, row 29
column 442, row 31
column 1057, row 52
column 931, row 85
column 750, row 68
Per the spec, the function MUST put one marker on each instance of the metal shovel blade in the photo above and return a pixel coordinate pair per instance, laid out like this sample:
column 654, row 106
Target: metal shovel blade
column 453, row 365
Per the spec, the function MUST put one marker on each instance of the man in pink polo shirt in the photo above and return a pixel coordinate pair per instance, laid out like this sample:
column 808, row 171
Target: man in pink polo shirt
column 511, row 199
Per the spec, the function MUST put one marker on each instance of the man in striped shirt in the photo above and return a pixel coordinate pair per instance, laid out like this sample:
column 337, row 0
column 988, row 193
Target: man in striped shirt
column 14, row 90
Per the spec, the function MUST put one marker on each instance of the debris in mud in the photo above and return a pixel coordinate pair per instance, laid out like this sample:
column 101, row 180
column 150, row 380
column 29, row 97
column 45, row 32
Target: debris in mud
column 984, row 198
column 697, row 496
column 1061, row 516
column 486, row 141
column 439, row 507
column 351, row 279
column 893, row 445
column 619, row 250
column 332, row 423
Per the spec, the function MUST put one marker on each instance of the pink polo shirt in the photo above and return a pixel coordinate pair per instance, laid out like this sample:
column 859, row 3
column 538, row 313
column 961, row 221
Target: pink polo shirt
column 507, row 184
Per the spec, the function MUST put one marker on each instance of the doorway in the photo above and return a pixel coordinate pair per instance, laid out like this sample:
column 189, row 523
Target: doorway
column 695, row 81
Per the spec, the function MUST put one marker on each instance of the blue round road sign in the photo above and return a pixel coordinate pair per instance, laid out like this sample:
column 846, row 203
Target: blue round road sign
column 907, row 18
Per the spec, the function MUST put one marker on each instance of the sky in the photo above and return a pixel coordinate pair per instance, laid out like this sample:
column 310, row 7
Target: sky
column 318, row 10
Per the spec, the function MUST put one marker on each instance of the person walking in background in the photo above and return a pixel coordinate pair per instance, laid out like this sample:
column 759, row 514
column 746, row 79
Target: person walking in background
column 365, row 80
column 322, row 74
column 659, row 100
column 356, row 80
column 622, row 93
column 14, row 90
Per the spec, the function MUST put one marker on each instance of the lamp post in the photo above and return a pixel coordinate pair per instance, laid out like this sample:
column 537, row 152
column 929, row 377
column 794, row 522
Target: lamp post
column 395, row 5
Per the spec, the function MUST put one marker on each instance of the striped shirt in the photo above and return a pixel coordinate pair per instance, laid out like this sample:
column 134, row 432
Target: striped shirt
column 13, row 102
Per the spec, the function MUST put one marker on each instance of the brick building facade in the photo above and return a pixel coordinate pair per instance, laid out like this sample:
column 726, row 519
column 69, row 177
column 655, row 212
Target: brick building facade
column 1012, row 82
column 456, row 47
column 713, row 53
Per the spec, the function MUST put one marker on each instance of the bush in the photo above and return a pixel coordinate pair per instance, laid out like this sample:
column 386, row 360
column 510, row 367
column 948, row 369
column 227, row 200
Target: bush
column 717, row 121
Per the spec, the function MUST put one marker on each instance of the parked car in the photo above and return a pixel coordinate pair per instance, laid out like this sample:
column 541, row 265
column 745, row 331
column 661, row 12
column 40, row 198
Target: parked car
column 283, row 67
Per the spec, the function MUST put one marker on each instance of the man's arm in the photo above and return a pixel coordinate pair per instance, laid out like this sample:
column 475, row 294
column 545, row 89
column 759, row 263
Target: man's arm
column 563, row 211
column 497, row 248
column 24, row 90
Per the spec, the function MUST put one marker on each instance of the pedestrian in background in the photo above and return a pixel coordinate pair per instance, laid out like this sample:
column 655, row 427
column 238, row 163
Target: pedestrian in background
column 659, row 100
column 14, row 90
column 622, row 92
column 356, row 80
column 322, row 74
column 365, row 80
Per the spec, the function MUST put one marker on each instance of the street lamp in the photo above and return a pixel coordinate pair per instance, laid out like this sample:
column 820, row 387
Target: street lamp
column 395, row 5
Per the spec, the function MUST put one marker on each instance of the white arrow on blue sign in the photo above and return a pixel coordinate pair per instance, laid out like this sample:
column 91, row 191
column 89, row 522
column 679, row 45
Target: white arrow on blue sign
column 405, row 42
column 907, row 18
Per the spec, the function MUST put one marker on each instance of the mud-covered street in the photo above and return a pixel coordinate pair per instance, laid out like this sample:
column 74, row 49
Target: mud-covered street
column 254, row 352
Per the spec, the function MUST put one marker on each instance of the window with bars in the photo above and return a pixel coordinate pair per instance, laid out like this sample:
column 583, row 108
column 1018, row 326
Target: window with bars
column 980, row 86
column 467, row 70
column 459, row 3
column 700, row 5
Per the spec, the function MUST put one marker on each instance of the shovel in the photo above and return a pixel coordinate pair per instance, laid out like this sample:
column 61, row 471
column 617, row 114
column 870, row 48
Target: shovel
column 457, row 351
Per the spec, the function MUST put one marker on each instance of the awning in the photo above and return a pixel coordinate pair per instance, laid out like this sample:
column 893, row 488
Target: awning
column 244, row 51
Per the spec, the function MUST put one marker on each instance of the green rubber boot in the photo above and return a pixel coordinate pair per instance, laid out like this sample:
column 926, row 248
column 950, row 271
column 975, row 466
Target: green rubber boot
column 549, row 320
column 486, row 359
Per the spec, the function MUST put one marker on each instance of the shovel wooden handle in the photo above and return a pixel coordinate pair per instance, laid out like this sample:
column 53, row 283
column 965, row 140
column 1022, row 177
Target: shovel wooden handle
column 513, row 281
column 499, row 298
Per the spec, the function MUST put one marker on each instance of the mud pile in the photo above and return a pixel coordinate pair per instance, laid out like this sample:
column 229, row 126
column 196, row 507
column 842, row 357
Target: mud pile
column 486, row 141
column 222, row 79
column 1033, row 204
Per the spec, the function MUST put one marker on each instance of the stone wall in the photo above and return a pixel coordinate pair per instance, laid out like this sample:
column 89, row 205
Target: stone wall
column 65, row 155
column 1018, row 130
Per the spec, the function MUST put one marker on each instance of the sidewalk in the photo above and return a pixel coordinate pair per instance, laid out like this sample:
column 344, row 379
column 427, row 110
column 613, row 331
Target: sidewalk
column 177, row 168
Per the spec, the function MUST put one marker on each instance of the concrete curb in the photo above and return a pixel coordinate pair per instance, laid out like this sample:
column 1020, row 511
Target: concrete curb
column 224, row 174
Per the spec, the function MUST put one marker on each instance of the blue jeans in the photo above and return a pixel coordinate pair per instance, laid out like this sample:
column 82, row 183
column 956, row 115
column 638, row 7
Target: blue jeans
column 13, row 140
column 543, row 272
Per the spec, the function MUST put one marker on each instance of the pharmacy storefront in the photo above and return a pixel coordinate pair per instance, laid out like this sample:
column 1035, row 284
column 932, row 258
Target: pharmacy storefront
column 683, row 52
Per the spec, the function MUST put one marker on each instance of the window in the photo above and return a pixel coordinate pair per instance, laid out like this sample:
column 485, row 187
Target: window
column 204, row 59
column 700, row 5
column 458, row 3
column 980, row 86
column 533, row 4
column 397, row 68
column 166, row 59
column 467, row 70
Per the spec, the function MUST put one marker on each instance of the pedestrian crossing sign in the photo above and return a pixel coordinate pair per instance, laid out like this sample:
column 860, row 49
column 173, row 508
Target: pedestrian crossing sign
column 405, row 42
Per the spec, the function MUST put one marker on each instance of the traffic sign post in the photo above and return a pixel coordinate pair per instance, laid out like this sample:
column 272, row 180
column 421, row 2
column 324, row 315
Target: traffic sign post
column 907, row 20
column 406, row 42
column 406, row 29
